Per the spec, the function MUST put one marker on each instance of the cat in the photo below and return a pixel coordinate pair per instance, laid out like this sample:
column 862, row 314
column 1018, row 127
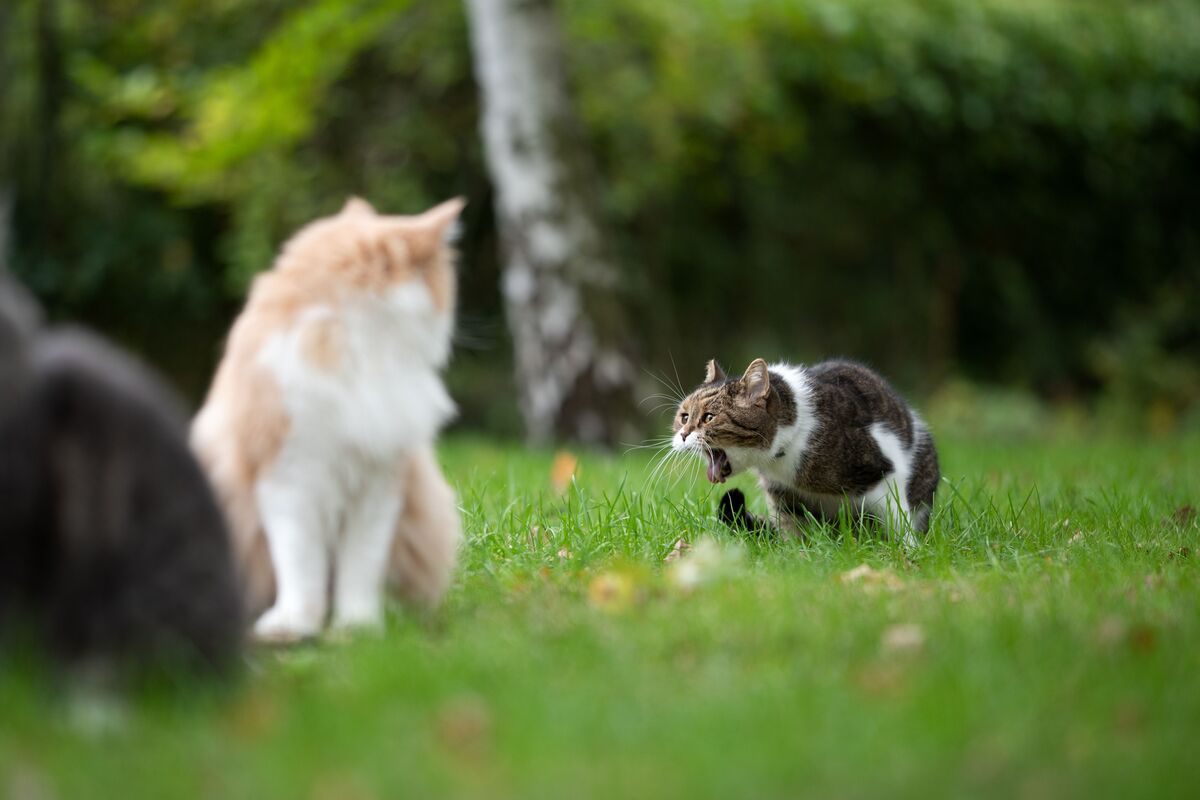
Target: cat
column 821, row 439
column 113, row 550
column 318, row 428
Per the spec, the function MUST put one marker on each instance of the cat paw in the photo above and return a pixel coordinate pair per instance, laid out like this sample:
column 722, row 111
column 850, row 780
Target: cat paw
column 277, row 627
column 358, row 621
column 732, row 508
column 732, row 511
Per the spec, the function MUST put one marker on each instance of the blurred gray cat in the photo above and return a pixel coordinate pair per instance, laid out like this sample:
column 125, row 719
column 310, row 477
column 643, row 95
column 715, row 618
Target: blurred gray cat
column 112, row 548
column 821, row 439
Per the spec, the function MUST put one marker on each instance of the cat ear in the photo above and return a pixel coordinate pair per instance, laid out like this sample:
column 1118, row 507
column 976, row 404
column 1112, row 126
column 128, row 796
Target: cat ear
column 443, row 219
column 428, row 233
column 713, row 372
column 756, row 381
column 356, row 205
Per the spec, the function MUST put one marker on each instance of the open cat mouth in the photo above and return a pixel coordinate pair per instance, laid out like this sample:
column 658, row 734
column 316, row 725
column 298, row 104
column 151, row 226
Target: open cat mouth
column 719, row 467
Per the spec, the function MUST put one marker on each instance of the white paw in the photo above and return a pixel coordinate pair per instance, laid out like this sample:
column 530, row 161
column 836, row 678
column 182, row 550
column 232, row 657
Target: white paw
column 362, row 618
column 279, row 626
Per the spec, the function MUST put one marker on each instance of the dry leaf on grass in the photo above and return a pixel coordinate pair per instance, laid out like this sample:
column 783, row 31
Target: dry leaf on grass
column 1113, row 631
column 882, row 680
column 906, row 638
column 23, row 781
column 677, row 551
column 562, row 471
column 612, row 591
column 537, row 536
column 340, row 786
column 253, row 716
column 706, row 562
column 464, row 725
column 871, row 579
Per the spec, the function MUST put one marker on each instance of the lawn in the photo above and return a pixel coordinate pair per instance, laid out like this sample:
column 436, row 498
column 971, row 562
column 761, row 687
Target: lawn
column 1044, row 641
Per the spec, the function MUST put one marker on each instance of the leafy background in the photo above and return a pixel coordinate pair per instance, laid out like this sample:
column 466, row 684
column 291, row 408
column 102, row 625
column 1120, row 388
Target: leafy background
column 995, row 193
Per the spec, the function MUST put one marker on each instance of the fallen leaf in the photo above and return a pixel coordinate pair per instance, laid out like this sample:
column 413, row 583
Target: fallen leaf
column 464, row 725
column 677, row 551
column 24, row 782
column 253, row 716
column 706, row 562
column 881, row 680
column 903, row 639
column 537, row 536
column 562, row 471
column 871, row 579
column 1142, row 638
column 339, row 786
column 1129, row 718
column 1184, row 515
column 1111, row 631
column 611, row 591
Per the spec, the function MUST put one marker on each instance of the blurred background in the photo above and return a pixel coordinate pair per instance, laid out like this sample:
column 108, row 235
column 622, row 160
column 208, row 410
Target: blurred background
column 996, row 203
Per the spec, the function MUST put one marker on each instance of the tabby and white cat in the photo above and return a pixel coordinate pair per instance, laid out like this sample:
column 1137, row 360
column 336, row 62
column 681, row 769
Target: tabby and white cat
column 821, row 438
column 318, row 430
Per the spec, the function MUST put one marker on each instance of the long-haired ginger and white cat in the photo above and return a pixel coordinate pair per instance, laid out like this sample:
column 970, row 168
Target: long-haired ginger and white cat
column 318, row 430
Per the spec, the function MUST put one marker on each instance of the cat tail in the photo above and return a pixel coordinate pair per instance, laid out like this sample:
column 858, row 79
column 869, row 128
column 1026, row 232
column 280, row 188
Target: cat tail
column 234, row 488
column 428, row 533
column 732, row 511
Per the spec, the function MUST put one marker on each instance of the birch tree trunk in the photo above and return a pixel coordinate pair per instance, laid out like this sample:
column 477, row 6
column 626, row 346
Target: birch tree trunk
column 568, row 325
column 5, row 227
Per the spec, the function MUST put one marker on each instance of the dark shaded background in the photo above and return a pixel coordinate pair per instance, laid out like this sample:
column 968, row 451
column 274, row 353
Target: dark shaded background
column 1002, row 193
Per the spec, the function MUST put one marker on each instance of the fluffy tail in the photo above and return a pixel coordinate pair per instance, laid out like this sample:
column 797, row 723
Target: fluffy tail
column 428, row 533
column 235, row 492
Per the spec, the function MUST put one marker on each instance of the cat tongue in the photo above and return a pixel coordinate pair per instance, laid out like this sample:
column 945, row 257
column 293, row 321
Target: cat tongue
column 718, row 466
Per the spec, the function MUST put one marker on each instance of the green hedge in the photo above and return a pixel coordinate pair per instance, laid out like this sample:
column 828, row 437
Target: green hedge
column 1005, row 189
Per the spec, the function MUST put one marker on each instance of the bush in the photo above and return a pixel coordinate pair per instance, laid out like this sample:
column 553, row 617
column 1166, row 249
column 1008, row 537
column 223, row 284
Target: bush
column 1002, row 189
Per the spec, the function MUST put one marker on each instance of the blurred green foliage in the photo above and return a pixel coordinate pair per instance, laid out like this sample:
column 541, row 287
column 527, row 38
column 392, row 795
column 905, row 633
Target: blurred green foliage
column 1004, row 190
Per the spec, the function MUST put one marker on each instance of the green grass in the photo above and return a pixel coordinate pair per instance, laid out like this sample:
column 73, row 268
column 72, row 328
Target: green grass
column 1056, row 652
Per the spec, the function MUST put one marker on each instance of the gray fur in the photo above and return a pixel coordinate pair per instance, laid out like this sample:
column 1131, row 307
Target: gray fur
column 112, row 548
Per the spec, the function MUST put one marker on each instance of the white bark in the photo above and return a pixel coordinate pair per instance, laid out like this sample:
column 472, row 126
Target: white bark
column 572, row 376
column 5, row 222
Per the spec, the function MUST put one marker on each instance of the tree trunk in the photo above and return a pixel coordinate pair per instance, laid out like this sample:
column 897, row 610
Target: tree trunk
column 568, row 324
column 5, row 226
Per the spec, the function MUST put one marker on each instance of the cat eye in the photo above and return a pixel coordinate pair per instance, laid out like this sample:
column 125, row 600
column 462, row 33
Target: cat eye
column 708, row 417
column 683, row 416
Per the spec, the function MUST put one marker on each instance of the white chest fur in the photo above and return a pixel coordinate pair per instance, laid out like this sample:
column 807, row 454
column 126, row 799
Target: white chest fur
column 370, row 394
column 380, row 393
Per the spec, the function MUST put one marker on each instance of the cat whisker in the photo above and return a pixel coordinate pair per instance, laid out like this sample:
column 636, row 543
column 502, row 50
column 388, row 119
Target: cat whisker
column 678, row 382
column 675, row 391
column 664, row 464
column 658, row 396
column 651, row 445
